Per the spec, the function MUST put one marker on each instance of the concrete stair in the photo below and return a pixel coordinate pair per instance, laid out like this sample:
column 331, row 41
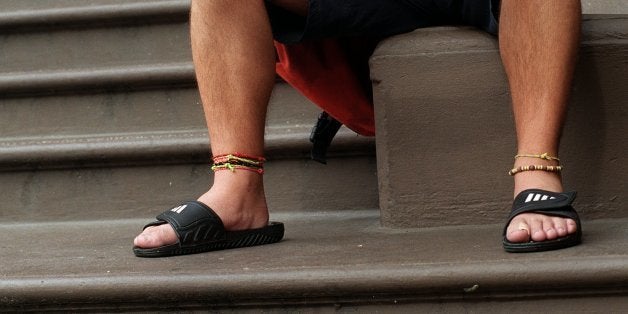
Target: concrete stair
column 445, row 133
column 101, row 129
column 340, row 261
column 101, row 91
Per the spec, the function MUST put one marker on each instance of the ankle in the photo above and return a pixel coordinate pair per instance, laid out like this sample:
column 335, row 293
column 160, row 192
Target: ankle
column 238, row 198
column 537, row 179
column 238, row 211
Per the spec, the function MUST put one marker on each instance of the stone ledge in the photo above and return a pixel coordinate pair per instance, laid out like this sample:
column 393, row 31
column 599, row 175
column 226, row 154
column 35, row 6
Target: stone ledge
column 80, row 15
column 119, row 78
column 445, row 134
column 340, row 258
column 156, row 148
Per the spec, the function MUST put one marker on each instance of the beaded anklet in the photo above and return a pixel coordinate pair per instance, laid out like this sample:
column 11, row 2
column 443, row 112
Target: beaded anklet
column 238, row 161
column 544, row 156
column 514, row 171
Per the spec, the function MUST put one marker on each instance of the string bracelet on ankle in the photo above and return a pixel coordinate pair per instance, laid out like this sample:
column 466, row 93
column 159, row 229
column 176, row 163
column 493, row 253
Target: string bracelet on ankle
column 514, row 171
column 234, row 167
column 237, row 161
column 240, row 155
column 240, row 158
column 545, row 156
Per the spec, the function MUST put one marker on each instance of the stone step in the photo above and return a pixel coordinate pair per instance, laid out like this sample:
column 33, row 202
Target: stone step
column 162, row 109
column 100, row 118
column 329, row 261
column 135, row 138
column 141, row 174
column 147, row 148
column 442, row 102
column 47, row 35
column 55, row 12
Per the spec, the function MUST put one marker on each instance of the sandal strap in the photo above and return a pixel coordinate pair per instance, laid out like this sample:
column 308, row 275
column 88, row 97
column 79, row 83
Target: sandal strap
column 193, row 222
column 544, row 202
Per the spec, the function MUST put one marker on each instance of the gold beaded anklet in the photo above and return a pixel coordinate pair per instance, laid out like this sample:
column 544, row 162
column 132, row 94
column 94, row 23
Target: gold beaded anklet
column 544, row 156
column 514, row 171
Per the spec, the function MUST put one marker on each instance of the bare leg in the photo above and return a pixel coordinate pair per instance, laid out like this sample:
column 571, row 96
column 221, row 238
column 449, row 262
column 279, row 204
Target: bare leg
column 538, row 43
column 234, row 60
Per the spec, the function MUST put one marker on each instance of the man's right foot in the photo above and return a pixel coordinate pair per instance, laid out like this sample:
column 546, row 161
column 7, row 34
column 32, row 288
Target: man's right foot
column 238, row 199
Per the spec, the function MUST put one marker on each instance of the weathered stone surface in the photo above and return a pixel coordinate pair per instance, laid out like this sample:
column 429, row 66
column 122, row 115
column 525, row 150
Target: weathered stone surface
column 604, row 7
column 100, row 118
column 445, row 133
column 326, row 259
column 131, row 192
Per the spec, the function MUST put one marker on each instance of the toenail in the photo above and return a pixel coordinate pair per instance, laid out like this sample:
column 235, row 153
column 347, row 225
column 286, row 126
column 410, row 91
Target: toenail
column 523, row 226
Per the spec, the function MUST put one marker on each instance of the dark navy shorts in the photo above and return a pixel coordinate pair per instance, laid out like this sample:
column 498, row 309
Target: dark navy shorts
column 378, row 18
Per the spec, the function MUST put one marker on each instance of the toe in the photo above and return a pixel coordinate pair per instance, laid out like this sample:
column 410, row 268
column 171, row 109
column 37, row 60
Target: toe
column 548, row 226
column 145, row 239
column 571, row 226
column 518, row 231
column 560, row 224
column 550, row 231
column 155, row 237
column 537, row 232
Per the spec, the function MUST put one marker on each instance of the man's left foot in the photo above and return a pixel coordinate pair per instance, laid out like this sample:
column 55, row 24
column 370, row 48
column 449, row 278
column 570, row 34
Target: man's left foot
column 536, row 227
column 528, row 227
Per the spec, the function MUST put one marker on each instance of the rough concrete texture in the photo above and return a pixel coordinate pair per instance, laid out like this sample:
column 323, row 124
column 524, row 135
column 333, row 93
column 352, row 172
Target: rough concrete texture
column 21, row 5
column 100, row 118
column 326, row 259
column 58, row 50
column 145, row 191
column 604, row 6
column 445, row 134
column 136, row 154
column 148, row 111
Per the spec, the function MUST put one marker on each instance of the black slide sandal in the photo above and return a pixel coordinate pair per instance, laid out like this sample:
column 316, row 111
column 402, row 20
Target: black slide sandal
column 547, row 203
column 199, row 229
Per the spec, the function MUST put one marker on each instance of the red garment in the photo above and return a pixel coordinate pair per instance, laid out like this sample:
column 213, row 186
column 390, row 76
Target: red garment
column 333, row 74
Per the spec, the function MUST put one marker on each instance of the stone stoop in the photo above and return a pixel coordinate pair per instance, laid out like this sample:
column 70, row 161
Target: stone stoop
column 101, row 129
column 339, row 261
column 445, row 129
column 100, row 118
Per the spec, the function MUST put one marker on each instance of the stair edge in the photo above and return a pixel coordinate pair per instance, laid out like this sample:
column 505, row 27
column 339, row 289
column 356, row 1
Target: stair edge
column 357, row 284
column 95, row 15
column 162, row 147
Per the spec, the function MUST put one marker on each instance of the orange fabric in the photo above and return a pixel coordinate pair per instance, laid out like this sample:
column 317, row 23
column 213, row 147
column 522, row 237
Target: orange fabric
column 334, row 75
